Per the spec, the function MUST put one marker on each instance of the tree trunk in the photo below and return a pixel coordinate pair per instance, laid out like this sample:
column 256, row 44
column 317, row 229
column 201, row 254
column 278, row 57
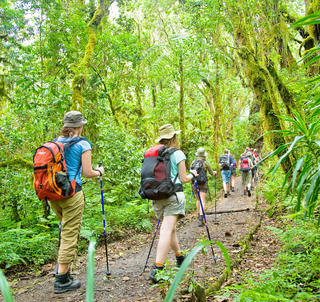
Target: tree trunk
column 181, row 102
column 79, row 80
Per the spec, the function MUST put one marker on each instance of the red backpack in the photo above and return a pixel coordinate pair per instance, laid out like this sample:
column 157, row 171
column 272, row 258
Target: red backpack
column 50, row 175
column 244, row 164
column 156, row 182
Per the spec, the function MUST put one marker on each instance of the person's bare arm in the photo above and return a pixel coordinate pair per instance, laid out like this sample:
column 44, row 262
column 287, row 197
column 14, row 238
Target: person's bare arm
column 87, row 166
column 183, row 172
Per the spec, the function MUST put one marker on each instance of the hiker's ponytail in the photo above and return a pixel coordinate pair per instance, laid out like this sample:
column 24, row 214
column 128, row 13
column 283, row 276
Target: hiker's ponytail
column 68, row 131
column 168, row 142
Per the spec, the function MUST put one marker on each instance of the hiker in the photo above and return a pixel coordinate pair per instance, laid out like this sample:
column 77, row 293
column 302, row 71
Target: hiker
column 233, row 172
column 173, row 207
column 253, row 170
column 255, row 167
column 245, row 168
column 69, row 211
column 202, row 166
column 226, row 163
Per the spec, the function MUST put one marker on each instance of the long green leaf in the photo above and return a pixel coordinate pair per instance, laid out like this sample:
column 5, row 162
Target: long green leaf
column 312, row 186
column 310, row 19
column 179, row 275
column 225, row 254
column 296, row 139
column 90, row 273
column 5, row 289
column 298, row 166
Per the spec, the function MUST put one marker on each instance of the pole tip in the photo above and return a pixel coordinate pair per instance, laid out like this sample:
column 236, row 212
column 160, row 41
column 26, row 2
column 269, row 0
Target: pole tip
column 108, row 274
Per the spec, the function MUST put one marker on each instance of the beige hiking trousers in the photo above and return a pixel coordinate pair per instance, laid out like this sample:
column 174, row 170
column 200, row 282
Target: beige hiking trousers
column 69, row 211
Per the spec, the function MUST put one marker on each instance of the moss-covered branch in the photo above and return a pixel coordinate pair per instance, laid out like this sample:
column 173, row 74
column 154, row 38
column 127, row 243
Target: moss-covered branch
column 80, row 76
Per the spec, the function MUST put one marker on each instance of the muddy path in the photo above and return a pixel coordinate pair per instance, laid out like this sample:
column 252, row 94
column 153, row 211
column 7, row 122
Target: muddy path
column 127, row 258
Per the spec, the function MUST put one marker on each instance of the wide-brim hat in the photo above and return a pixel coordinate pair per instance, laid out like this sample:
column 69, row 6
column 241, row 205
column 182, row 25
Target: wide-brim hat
column 201, row 153
column 166, row 132
column 73, row 119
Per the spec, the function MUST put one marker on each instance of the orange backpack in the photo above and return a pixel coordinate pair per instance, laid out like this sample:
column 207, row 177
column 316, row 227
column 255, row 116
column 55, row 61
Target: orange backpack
column 50, row 177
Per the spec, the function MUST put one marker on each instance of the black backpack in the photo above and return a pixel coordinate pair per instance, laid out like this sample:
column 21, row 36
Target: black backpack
column 198, row 166
column 156, row 182
column 225, row 162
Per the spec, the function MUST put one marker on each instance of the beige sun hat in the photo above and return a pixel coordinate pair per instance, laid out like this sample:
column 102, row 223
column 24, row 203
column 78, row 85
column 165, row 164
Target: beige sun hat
column 201, row 153
column 166, row 132
column 73, row 119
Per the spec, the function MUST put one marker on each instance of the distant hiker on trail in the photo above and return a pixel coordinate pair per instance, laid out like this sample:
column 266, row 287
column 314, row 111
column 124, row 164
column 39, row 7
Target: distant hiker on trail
column 255, row 168
column 172, row 207
column 250, row 155
column 226, row 163
column 245, row 168
column 202, row 166
column 233, row 172
column 70, row 210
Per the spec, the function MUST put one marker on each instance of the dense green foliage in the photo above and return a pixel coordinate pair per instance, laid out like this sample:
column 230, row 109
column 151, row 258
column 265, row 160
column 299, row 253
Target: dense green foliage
column 224, row 72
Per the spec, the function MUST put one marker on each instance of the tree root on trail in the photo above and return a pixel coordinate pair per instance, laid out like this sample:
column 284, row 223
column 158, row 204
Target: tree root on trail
column 227, row 211
column 245, row 243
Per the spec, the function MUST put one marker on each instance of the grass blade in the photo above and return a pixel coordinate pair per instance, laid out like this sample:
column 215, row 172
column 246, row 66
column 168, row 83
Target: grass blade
column 5, row 289
column 90, row 273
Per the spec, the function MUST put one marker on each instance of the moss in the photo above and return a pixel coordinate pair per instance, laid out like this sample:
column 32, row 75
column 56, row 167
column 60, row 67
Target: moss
column 80, row 77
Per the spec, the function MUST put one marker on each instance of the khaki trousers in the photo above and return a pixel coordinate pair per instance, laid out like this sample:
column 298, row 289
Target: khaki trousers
column 69, row 211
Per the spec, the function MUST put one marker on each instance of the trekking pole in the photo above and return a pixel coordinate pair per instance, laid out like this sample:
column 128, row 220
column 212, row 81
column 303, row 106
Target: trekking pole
column 205, row 221
column 189, row 203
column 108, row 273
column 154, row 236
column 215, row 197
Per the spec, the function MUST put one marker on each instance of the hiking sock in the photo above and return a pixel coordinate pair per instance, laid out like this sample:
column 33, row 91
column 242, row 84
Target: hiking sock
column 154, row 271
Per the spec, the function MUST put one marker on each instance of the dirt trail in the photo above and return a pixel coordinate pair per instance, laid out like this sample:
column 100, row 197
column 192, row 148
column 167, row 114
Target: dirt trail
column 127, row 260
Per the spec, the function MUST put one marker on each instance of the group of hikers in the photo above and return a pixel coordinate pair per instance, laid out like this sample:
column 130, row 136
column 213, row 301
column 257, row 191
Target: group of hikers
column 77, row 156
column 248, row 167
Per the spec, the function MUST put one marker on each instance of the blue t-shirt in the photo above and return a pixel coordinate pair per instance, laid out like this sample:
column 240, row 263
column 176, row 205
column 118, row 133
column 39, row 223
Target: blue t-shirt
column 175, row 158
column 73, row 157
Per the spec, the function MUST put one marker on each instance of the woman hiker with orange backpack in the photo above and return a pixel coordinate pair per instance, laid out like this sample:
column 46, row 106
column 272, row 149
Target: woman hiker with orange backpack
column 202, row 163
column 173, row 207
column 70, row 210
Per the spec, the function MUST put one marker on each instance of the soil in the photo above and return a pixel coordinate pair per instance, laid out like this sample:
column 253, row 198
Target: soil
column 127, row 258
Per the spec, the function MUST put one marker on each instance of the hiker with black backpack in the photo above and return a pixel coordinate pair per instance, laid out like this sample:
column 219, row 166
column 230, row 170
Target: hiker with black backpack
column 73, row 151
column 155, row 185
column 201, row 165
column 226, row 163
column 245, row 168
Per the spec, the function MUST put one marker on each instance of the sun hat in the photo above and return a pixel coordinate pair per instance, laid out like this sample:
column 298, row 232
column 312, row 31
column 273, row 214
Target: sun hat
column 166, row 132
column 74, row 119
column 201, row 153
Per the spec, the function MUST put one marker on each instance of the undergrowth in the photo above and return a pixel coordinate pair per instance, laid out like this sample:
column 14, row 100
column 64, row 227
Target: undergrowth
column 295, row 275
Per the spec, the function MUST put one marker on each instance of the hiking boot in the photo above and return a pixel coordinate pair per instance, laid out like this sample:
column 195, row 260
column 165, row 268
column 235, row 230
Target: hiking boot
column 200, row 222
column 232, row 189
column 179, row 260
column 64, row 283
column 225, row 195
column 249, row 193
column 153, row 273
